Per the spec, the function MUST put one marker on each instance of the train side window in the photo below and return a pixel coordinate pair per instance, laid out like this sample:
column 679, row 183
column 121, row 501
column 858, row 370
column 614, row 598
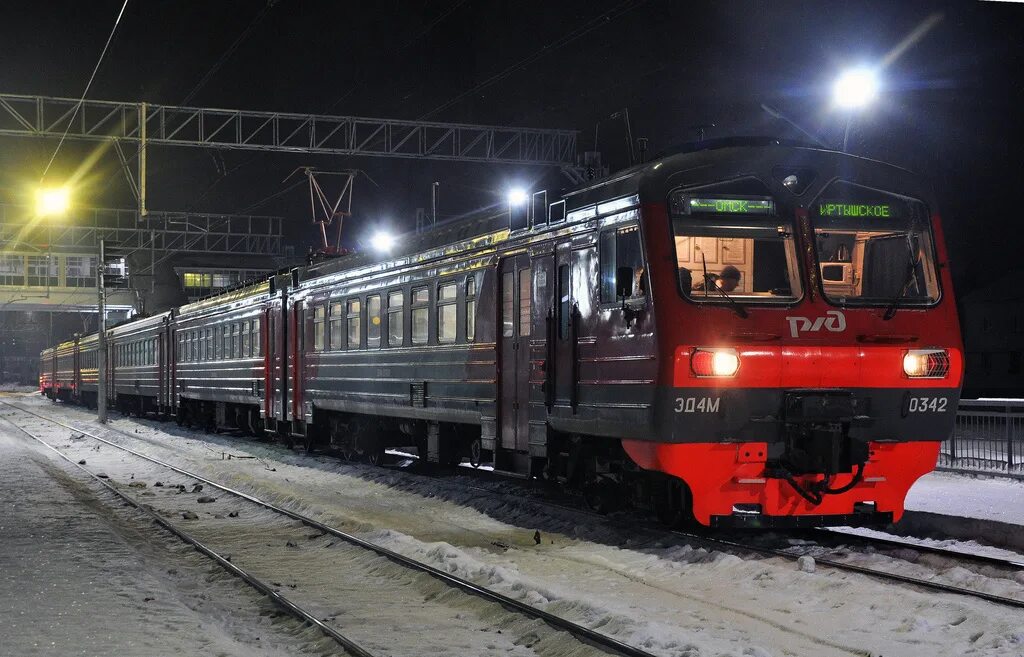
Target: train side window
column 246, row 339
column 607, row 256
column 337, row 321
column 563, row 301
column 318, row 327
column 525, row 290
column 621, row 256
column 470, row 308
column 225, row 343
column 257, row 343
column 508, row 304
column 396, row 319
column 447, row 310
column 355, row 309
column 238, row 340
column 420, row 315
column 209, row 344
column 373, row 321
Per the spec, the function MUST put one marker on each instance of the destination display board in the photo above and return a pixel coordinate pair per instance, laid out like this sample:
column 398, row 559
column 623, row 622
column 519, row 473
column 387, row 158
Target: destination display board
column 854, row 209
column 728, row 205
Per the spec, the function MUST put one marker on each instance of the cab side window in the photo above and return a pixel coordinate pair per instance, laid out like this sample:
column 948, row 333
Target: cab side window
column 622, row 265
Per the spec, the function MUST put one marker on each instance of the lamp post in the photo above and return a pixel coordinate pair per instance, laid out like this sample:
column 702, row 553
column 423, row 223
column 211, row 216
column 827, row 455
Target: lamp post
column 854, row 90
column 101, row 383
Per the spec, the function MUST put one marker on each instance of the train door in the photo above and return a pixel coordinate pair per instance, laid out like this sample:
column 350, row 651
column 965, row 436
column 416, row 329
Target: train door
column 515, row 310
column 161, row 373
column 76, row 386
column 564, row 330
column 295, row 335
column 269, row 364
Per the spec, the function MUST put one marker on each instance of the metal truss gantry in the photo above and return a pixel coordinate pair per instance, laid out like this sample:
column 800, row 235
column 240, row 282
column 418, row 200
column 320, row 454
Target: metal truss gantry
column 162, row 232
column 42, row 116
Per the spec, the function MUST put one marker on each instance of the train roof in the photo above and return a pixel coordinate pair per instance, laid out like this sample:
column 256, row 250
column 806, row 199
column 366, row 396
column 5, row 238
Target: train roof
column 735, row 158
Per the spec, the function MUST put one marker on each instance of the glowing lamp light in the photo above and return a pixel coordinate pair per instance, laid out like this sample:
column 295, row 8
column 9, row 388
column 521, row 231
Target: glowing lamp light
column 855, row 88
column 714, row 362
column 382, row 241
column 53, row 201
column 517, row 196
column 926, row 363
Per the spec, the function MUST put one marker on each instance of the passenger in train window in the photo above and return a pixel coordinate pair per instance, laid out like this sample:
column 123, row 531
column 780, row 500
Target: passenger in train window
column 727, row 281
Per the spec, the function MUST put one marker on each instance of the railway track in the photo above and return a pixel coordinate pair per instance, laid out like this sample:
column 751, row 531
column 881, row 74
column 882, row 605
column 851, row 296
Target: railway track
column 596, row 642
column 792, row 553
column 823, row 537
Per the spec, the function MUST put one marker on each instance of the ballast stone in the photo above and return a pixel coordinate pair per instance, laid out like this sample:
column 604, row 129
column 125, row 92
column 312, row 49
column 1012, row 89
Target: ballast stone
column 805, row 564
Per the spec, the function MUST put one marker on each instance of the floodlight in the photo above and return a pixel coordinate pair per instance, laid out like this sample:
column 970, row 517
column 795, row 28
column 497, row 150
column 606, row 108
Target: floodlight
column 855, row 88
column 382, row 241
column 52, row 201
column 517, row 196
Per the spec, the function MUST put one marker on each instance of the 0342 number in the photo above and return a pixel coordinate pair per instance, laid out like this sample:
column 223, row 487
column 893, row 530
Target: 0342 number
column 927, row 404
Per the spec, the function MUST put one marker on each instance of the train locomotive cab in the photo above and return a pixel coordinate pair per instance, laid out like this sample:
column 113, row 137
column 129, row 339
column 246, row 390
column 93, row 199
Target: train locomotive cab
column 809, row 355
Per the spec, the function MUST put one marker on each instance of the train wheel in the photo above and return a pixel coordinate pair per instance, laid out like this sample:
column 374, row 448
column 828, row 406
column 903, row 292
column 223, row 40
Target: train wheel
column 601, row 495
column 375, row 456
column 672, row 504
column 476, row 452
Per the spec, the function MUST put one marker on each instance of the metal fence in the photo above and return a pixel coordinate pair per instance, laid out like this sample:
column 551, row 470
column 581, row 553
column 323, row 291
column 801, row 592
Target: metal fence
column 988, row 437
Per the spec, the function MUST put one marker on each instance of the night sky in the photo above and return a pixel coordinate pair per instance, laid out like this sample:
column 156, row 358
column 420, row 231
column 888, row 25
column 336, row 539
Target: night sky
column 951, row 108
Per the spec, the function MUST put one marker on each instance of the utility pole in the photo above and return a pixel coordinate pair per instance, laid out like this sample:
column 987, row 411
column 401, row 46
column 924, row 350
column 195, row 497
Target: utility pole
column 101, row 392
column 433, row 203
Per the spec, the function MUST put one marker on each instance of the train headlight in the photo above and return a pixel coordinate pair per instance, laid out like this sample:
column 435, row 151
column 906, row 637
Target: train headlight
column 714, row 362
column 926, row 363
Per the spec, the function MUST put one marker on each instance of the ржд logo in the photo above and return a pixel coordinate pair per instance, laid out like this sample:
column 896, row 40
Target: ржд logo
column 833, row 321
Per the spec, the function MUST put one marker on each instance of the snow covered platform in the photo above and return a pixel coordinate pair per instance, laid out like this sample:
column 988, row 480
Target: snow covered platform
column 81, row 575
column 989, row 509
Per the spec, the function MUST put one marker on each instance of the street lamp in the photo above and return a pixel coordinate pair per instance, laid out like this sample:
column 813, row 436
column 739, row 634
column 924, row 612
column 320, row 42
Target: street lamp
column 52, row 201
column 854, row 90
column 517, row 196
column 382, row 241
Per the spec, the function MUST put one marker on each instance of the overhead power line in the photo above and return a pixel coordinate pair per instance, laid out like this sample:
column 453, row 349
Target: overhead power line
column 565, row 39
column 230, row 51
column 81, row 100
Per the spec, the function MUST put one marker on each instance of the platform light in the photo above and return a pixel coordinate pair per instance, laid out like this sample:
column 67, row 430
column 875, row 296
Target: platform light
column 52, row 201
column 517, row 196
column 926, row 363
column 714, row 362
column 855, row 88
column 382, row 241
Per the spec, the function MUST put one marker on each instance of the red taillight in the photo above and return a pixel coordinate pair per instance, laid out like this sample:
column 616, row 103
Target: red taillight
column 706, row 362
column 926, row 363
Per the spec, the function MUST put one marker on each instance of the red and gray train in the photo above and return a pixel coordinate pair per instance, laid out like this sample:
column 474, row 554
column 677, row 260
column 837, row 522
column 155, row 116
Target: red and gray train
column 746, row 335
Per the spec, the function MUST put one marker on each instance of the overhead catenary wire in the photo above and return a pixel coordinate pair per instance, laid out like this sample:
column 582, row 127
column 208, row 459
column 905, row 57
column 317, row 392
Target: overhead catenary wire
column 230, row 51
column 81, row 100
column 613, row 13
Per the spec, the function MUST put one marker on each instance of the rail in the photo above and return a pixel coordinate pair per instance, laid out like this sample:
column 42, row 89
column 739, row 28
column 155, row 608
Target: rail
column 988, row 438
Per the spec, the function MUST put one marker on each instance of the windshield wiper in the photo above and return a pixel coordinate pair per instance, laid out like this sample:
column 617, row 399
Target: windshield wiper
column 736, row 306
column 910, row 277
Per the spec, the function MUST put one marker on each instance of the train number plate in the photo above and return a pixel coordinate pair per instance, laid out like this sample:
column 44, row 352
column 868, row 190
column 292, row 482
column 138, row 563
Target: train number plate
column 927, row 404
column 697, row 404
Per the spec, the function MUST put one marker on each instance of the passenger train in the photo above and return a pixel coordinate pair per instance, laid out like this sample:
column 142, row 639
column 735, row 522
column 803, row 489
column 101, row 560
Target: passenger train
column 744, row 335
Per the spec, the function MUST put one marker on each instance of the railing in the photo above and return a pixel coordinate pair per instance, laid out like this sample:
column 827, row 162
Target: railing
column 988, row 437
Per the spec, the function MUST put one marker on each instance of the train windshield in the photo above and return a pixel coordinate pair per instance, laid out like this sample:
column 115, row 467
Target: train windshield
column 874, row 248
column 733, row 247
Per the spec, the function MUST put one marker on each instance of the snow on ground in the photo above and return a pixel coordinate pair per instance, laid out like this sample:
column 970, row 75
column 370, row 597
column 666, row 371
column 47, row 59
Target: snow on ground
column 986, row 498
column 670, row 598
column 79, row 575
